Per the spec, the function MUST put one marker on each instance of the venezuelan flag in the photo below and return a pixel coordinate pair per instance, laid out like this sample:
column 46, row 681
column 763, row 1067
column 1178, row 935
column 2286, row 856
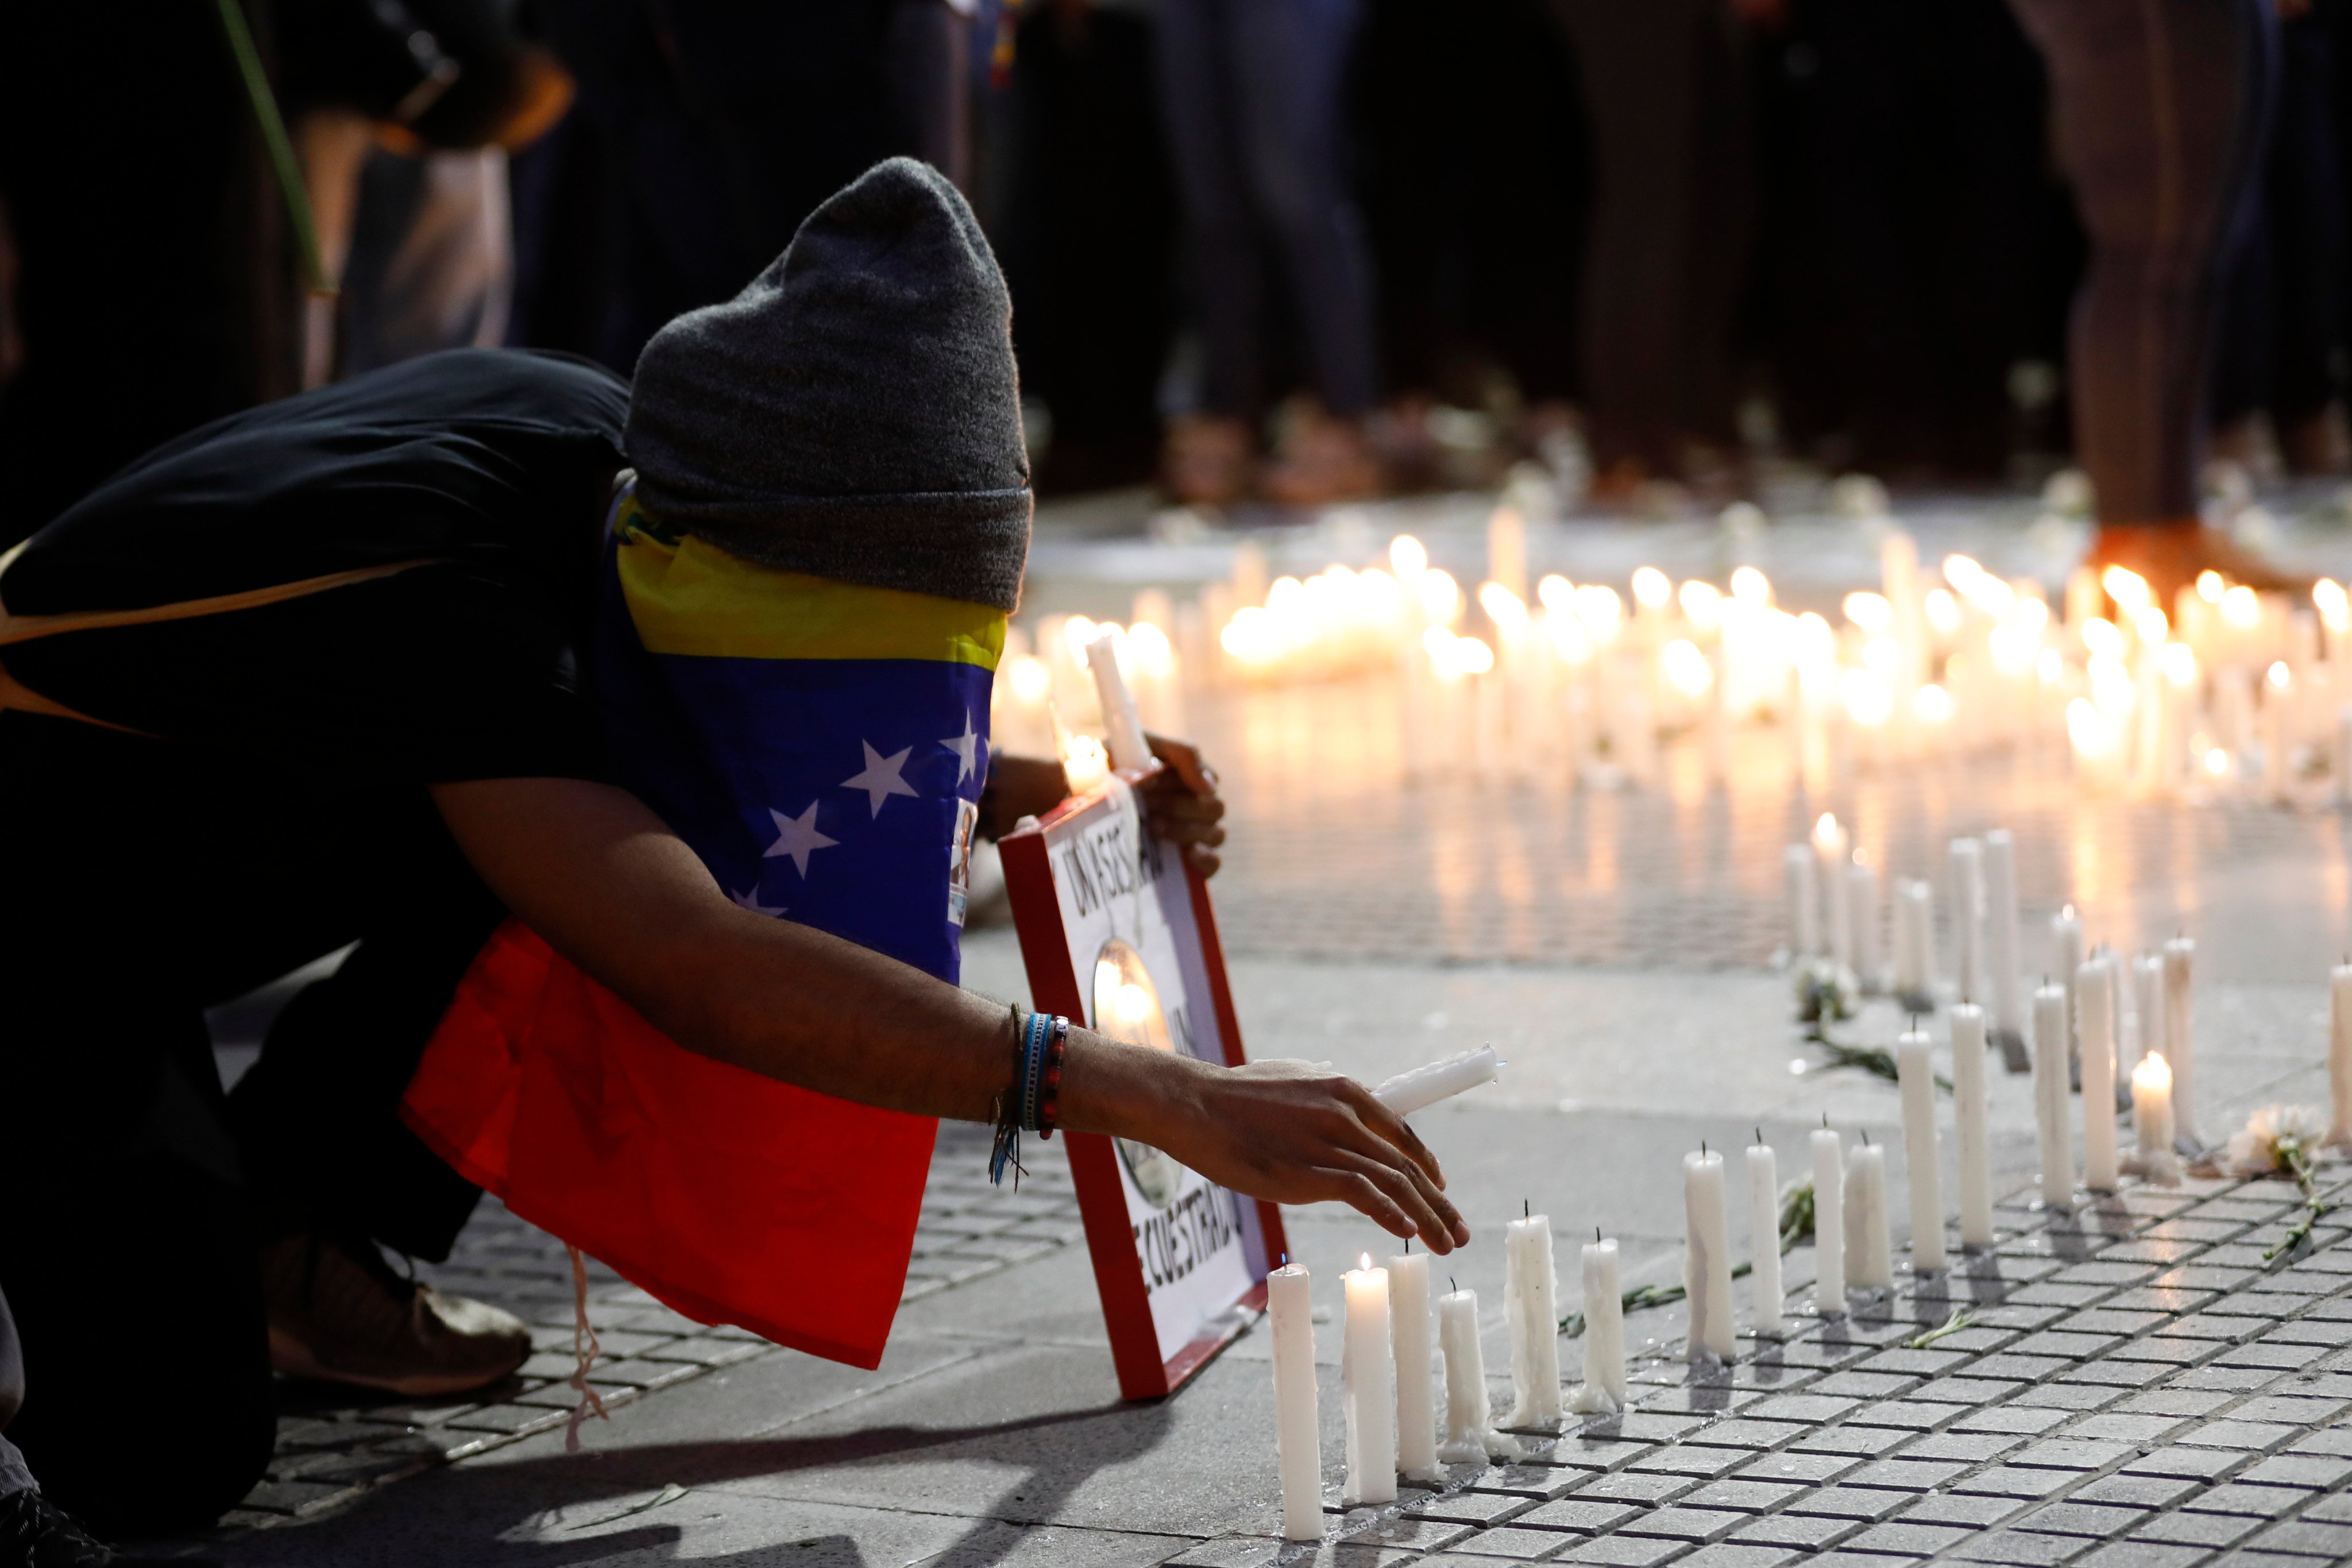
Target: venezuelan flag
column 822, row 747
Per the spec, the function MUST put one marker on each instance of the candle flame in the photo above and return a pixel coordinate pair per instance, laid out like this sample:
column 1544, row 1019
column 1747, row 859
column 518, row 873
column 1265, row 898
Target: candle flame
column 1364, row 1262
column 2280, row 677
column 1943, row 611
column 1408, row 556
column 1652, row 587
column 1825, row 831
column 1686, row 669
column 2153, row 1073
column 1932, row 705
column 2242, row 608
column 2128, row 588
column 1750, row 586
column 2210, row 586
column 1871, row 612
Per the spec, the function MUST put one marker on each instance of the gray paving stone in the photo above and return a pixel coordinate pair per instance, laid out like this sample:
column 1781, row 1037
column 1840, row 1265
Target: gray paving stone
column 2124, row 1426
column 2023, row 1549
column 1906, row 1474
column 1968, row 1390
column 2313, row 1470
column 1972, row 1448
column 2211, row 1531
column 1860, row 1441
column 1805, row 1408
column 2019, row 1419
column 2179, row 1401
column 1693, row 1525
column 2098, row 1520
column 1738, row 1554
column 1847, row 1503
column 2235, row 1497
column 2071, row 1453
column 1510, row 1542
column 1585, row 1515
column 1976, row 1509
column 1689, row 1459
column 1809, row 1468
column 2294, row 1409
column 2248, row 1437
column 1621, row 1551
column 2145, row 1491
column 2319, row 1538
column 1744, row 1495
column 2064, row 1393
column 2140, row 1555
column 1741, row 1432
column 2231, row 1379
column 1906, row 1537
column 1408, row 1534
column 2011, row 1480
column 2197, row 1464
column 1857, row 1385
column 2118, row 1373
column 1481, row 1508
column 1810, row 1532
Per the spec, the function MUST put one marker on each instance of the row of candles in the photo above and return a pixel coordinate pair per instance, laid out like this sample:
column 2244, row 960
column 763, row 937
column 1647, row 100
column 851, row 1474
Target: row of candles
column 2228, row 687
column 1388, row 1371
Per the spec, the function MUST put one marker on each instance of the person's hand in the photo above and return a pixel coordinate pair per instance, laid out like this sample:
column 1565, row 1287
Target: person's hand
column 1286, row 1132
column 1182, row 803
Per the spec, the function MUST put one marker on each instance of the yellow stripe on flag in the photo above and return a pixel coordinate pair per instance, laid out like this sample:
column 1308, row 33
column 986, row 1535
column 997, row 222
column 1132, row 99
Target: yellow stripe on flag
column 692, row 597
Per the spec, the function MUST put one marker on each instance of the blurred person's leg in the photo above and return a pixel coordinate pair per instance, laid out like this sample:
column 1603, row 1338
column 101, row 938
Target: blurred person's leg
column 1290, row 59
column 1668, row 229
column 432, row 257
column 2306, row 232
column 929, row 51
column 1209, row 448
column 2160, row 107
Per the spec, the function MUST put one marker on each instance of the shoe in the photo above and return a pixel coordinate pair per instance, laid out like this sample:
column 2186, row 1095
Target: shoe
column 1208, row 460
column 2168, row 556
column 339, row 1312
column 1327, row 461
column 35, row 1534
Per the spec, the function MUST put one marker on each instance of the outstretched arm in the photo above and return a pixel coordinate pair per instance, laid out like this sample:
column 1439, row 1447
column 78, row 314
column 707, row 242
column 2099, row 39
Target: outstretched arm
column 598, row 874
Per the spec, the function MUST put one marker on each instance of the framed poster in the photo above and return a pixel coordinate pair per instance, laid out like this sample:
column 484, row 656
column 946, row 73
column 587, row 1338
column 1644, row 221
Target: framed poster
column 1116, row 933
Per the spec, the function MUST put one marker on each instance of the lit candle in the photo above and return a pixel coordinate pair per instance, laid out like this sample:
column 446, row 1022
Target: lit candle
column 1914, row 1072
column 1869, row 1244
column 1805, row 901
column 2067, row 934
column 2152, row 1114
column 2180, row 1033
column 2095, row 1013
column 1416, row 1413
column 1971, row 1112
column 1603, row 1389
column 2050, row 1090
column 1706, row 1257
column 1967, row 919
column 1764, row 1238
column 1368, row 1376
column 1424, row 1086
column 1470, row 1435
column 1829, row 847
column 1828, row 1224
column 1861, row 896
column 1530, row 1292
column 1298, row 1443
column 2340, row 1052
column 2003, row 978
column 1914, row 964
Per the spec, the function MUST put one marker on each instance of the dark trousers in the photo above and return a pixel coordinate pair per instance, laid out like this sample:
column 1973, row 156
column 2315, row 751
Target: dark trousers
column 1672, row 212
column 146, row 883
column 2161, row 107
column 1474, row 191
column 2282, row 324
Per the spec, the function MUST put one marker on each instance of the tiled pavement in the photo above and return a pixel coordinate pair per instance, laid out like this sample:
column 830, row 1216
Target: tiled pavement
column 333, row 1447
column 2135, row 1387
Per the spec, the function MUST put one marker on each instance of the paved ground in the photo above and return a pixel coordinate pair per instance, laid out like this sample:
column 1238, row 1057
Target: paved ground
column 2136, row 1384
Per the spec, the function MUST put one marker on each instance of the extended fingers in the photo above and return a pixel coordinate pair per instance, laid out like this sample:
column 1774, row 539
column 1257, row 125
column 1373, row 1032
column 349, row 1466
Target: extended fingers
column 1422, row 1207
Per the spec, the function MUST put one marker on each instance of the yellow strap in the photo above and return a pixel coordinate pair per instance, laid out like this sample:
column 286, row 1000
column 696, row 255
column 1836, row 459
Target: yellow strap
column 25, row 628
column 16, row 696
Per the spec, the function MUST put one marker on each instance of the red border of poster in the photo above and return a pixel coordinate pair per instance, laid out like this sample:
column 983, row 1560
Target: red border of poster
column 1054, row 987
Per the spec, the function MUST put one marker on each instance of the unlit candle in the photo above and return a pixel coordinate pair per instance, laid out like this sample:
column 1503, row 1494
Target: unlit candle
column 2051, row 1091
column 2003, row 981
column 1531, row 1293
column 1764, row 1238
column 1969, row 1112
column 1425, row 1086
column 1829, row 1223
column 1869, row 1244
column 1298, row 1436
column 1416, row 1386
column 2180, row 1033
column 1914, row 1072
column 1706, row 1257
column 2095, row 1011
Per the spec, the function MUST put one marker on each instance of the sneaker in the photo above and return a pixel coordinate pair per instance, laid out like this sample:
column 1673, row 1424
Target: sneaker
column 35, row 1534
column 338, row 1311
column 1209, row 460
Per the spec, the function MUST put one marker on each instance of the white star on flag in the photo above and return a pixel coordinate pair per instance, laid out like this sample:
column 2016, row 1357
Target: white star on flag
column 883, row 776
column 966, row 747
column 798, row 838
column 750, row 899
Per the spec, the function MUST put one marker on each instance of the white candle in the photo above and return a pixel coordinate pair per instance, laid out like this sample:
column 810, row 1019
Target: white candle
column 1530, row 1292
column 1424, row 1086
column 1967, row 919
column 1829, row 847
column 2094, row 1004
column 1969, row 1107
column 1122, row 725
column 1416, row 1412
column 1470, row 1435
column 1298, row 1443
column 1706, row 1257
column 1764, row 1238
column 1828, row 1224
column 2066, row 935
column 2003, row 978
column 2152, row 1111
column 1368, row 1376
column 2051, row 1091
column 1914, row 1070
column 1861, row 898
column 1869, row 1244
column 1914, row 963
column 1603, row 1390
column 2180, row 1033
column 2340, row 1052
column 1804, row 902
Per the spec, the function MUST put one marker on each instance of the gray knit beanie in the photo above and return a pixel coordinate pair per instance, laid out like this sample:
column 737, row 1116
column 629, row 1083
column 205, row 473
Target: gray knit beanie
column 854, row 412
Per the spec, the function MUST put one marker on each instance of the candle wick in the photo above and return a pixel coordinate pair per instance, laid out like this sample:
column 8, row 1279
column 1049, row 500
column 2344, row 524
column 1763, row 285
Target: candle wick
column 1526, row 1210
column 1596, row 1233
column 1450, row 1285
column 1865, row 1137
column 1760, row 1135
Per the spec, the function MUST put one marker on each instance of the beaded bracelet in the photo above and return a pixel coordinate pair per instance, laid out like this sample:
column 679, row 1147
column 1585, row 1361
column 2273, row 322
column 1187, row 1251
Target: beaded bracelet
column 1033, row 1102
column 1049, row 1087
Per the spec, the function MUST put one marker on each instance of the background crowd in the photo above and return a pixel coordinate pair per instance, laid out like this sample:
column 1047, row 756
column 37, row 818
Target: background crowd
column 1301, row 250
